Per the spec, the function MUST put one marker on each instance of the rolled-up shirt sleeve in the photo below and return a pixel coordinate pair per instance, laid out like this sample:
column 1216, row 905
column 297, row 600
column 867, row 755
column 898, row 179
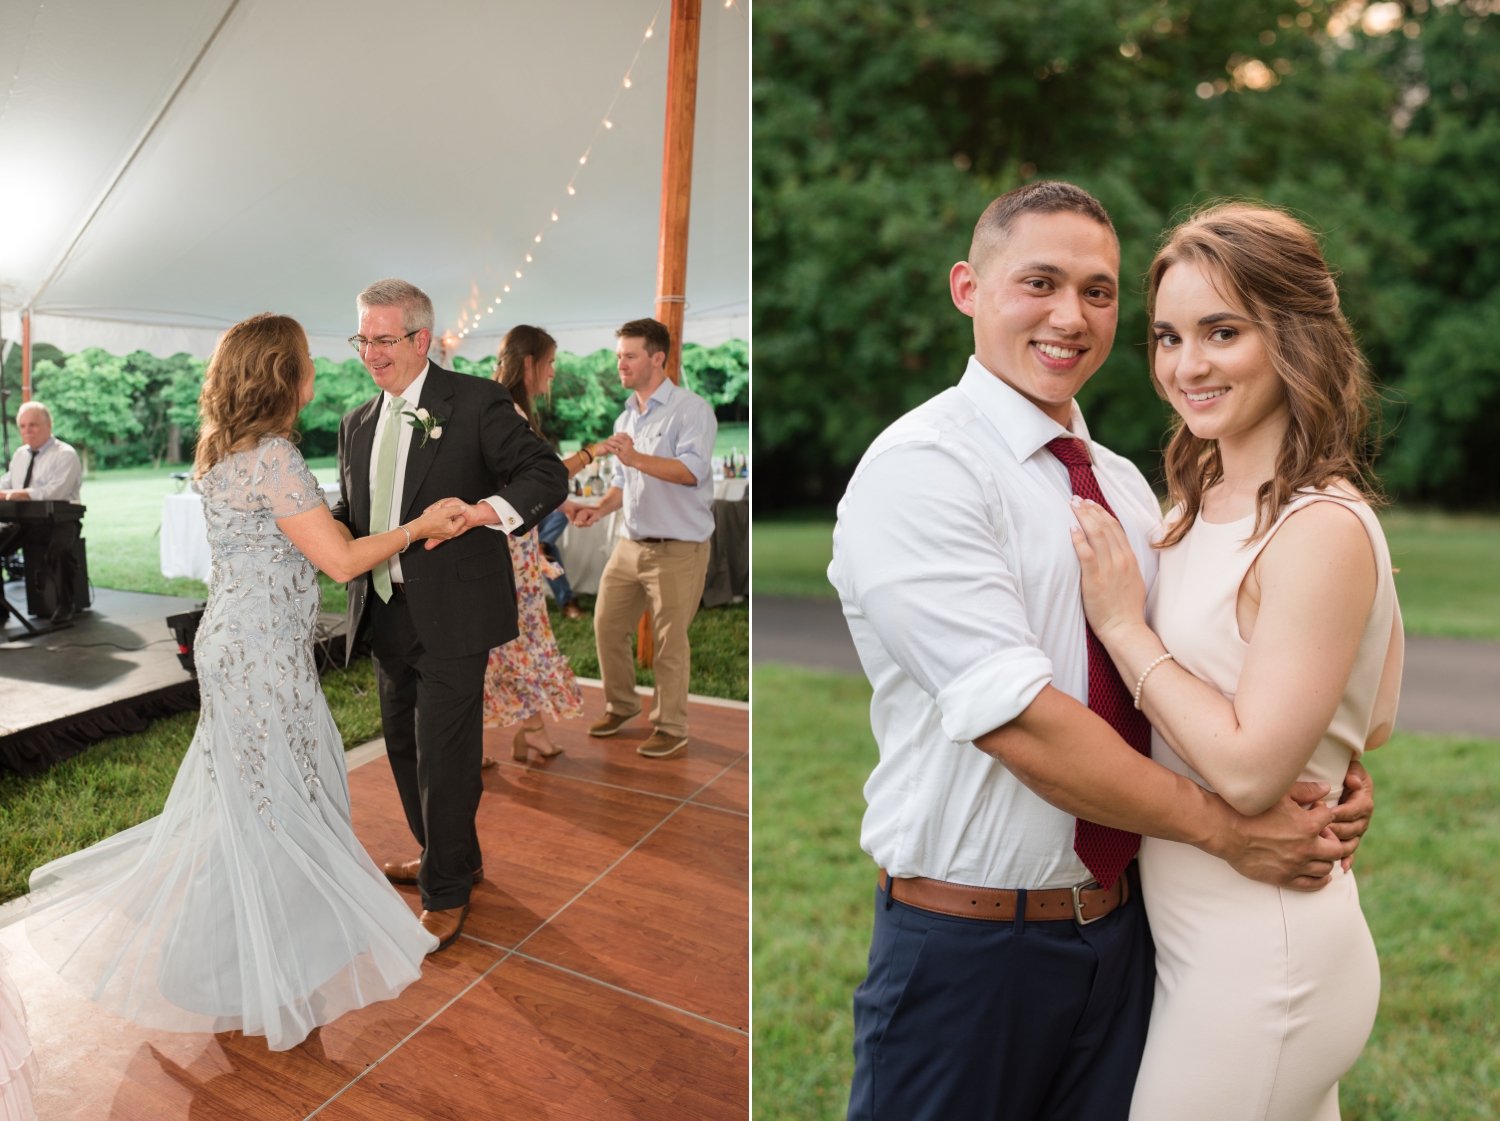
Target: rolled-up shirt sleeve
column 918, row 551
column 693, row 445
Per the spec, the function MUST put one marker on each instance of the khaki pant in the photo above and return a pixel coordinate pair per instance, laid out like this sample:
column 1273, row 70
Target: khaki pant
column 667, row 577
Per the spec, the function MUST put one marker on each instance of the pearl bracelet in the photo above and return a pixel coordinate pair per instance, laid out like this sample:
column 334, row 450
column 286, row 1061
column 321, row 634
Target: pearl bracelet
column 407, row 546
column 1141, row 684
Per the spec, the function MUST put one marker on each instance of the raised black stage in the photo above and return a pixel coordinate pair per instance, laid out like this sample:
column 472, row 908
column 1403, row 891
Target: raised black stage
column 113, row 671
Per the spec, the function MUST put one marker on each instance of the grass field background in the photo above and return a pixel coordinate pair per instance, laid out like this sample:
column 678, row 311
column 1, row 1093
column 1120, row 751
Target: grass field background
column 125, row 780
column 1429, row 878
column 1449, row 579
column 1429, row 873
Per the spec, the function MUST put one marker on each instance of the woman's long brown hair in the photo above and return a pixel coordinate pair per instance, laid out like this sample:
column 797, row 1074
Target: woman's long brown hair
column 1271, row 265
column 252, row 389
column 520, row 343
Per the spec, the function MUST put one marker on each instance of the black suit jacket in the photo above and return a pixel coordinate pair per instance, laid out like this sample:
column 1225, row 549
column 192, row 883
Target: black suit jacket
column 462, row 594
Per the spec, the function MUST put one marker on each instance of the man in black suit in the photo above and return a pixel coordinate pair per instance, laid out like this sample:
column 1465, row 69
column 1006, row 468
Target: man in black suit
column 434, row 614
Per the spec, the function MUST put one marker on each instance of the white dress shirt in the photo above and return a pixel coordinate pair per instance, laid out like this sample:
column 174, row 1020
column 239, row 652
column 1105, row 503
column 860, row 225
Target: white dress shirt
column 57, row 476
column 957, row 573
column 509, row 519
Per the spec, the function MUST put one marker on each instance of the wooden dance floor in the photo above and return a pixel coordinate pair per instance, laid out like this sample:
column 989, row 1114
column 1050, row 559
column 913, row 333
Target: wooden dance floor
column 603, row 971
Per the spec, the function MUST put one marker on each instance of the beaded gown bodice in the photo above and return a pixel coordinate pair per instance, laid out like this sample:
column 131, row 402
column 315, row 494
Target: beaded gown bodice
column 253, row 650
column 248, row 904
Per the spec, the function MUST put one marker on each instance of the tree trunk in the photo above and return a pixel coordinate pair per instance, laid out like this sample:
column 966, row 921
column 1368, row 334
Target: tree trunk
column 174, row 444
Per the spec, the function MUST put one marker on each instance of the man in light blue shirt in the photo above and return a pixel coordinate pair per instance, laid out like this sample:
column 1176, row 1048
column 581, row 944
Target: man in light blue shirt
column 664, row 441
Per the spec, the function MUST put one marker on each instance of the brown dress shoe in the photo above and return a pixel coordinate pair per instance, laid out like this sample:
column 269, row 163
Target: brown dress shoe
column 405, row 872
column 658, row 745
column 446, row 926
column 571, row 610
column 610, row 724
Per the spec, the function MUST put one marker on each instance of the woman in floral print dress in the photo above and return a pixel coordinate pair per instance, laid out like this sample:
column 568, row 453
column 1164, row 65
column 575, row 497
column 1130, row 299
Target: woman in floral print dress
column 529, row 678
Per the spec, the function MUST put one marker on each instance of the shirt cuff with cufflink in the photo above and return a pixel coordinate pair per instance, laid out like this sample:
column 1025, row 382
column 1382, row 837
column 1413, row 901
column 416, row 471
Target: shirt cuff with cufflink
column 510, row 521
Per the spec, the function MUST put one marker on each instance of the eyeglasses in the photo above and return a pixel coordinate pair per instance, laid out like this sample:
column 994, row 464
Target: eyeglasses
column 359, row 342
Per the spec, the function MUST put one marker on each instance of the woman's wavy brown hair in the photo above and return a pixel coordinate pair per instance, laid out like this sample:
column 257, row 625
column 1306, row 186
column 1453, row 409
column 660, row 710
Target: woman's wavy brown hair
column 520, row 343
column 1271, row 265
column 253, row 387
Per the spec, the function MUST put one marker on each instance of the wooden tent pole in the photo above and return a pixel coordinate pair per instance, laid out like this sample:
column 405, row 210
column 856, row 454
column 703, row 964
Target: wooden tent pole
column 676, row 194
column 25, row 357
column 677, row 174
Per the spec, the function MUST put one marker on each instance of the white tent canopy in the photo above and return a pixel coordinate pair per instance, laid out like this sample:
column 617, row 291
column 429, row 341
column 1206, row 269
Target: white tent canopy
column 317, row 146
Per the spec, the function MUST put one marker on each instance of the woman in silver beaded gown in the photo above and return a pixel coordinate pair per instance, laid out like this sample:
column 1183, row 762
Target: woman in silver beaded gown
column 248, row 904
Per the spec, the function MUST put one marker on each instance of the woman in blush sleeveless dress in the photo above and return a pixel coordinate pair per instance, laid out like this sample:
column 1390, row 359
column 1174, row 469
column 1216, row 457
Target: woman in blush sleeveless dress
column 248, row 904
column 1268, row 652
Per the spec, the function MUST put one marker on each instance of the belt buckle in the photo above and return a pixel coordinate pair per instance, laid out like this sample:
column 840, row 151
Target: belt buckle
column 1078, row 904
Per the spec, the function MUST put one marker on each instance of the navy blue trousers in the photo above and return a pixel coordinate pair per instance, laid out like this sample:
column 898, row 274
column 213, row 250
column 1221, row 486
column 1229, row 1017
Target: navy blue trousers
column 971, row 1020
column 548, row 530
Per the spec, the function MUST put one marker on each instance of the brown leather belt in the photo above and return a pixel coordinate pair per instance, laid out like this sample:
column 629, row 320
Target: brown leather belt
column 1083, row 904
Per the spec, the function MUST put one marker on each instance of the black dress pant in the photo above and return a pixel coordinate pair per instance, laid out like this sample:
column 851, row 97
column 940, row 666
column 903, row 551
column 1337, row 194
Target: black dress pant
column 994, row 1021
column 432, row 713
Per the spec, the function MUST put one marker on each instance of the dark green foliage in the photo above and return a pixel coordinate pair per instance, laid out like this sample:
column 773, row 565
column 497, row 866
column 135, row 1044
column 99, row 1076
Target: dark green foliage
column 587, row 395
column 882, row 130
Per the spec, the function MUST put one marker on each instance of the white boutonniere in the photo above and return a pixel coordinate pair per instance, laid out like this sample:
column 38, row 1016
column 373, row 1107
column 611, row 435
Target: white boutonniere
column 430, row 426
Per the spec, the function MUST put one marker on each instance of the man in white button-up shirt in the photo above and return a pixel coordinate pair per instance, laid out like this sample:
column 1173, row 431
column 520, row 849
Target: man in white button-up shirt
column 959, row 580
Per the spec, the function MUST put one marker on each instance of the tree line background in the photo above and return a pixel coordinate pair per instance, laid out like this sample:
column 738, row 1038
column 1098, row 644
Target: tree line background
column 882, row 128
column 139, row 409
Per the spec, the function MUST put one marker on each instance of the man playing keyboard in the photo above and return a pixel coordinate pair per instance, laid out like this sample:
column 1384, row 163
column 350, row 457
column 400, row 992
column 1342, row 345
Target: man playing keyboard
column 44, row 468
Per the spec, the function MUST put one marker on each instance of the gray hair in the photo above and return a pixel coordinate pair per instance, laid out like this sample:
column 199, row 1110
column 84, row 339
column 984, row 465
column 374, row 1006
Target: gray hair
column 34, row 405
column 416, row 308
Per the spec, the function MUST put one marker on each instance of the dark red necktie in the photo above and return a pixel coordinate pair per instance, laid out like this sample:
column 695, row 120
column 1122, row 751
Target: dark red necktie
column 1104, row 851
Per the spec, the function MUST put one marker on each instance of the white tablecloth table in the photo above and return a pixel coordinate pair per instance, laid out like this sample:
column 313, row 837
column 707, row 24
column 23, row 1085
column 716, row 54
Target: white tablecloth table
column 586, row 551
column 184, row 534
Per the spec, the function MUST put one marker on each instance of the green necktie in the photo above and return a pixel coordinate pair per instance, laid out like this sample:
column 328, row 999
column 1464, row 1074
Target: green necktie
column 385, row 486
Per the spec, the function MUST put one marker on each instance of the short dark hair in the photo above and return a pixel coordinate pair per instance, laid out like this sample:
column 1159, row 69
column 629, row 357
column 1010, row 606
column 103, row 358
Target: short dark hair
column 1046, row 196
column 658, row 338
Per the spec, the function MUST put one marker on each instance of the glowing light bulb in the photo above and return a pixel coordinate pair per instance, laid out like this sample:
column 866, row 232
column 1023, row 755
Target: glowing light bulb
column 528, row 257
column 648, row 32
column 538, row 237
column 571, row 191
column 518, row 274
column 554, row 218
column 583, row 159
column 627, row 83
column 507, row 287
column 609, row 124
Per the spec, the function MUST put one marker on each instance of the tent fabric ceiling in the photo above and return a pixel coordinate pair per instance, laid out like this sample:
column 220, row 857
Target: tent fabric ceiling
column 320, row 146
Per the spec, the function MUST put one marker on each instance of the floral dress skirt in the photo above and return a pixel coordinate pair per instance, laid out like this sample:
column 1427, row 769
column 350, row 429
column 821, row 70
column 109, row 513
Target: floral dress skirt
column 530, row 675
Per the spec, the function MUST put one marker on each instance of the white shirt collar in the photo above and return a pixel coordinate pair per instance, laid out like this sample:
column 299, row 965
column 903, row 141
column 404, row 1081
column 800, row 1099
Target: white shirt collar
column 1024, row 427
column 49, row 442
column 662, row 393
column 413, row 392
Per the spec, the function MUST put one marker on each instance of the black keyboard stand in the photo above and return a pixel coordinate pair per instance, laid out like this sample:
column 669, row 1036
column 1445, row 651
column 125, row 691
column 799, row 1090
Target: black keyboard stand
column 9, row 534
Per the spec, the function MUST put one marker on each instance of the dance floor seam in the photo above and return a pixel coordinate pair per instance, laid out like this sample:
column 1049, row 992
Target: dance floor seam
column 616, row 786
column 603, row 971
column 515, row 951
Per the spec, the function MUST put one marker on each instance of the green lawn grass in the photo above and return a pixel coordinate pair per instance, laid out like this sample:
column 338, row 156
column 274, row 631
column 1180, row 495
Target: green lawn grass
column 122, row 781
column 1449, row 581
column 1429, row 877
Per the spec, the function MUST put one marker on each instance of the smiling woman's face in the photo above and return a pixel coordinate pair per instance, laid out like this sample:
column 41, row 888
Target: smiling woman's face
column 1211, row 360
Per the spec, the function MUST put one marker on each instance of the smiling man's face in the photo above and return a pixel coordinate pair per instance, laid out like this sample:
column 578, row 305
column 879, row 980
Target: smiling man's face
column 396, row 365
column 1045, row 305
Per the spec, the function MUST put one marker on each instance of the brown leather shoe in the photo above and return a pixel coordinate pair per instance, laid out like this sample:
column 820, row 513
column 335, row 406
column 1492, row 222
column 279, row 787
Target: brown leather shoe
column 610, row 724
column 658, row 745
column 405, row 872
column 571, row 610
column 445, row 925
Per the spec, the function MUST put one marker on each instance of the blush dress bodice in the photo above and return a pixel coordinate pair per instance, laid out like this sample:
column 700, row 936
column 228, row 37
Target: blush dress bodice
column 1264, row 996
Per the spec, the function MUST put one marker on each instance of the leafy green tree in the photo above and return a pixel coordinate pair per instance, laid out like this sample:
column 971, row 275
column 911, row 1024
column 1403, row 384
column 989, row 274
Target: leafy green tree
column 92, row 395
column 881, row 130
